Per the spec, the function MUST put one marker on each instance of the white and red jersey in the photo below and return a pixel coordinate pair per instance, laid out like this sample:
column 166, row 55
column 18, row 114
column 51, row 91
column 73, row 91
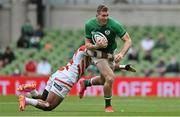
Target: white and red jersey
column 75, row 68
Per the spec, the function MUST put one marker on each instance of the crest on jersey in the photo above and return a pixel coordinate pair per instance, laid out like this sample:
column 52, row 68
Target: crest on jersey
column 107, row 32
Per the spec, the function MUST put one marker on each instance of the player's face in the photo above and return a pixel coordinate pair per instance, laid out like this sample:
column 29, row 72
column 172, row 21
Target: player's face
column 102, row 18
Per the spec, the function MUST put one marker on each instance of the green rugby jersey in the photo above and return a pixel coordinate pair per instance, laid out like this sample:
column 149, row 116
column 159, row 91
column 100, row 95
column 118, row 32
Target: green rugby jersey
column 112, row 29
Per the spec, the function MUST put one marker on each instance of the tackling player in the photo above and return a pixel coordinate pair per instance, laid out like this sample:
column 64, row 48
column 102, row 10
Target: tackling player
column 59, row 83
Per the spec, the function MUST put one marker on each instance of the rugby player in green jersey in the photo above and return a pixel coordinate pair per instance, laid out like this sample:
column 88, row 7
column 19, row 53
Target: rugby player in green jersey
column 110, row 28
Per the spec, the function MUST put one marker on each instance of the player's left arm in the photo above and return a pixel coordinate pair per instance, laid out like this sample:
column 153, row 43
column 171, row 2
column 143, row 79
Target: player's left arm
column 127, row 44
column 122, row 33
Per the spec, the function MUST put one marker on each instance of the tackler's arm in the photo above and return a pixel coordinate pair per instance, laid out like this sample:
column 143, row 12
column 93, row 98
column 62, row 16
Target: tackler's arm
column 127, row 67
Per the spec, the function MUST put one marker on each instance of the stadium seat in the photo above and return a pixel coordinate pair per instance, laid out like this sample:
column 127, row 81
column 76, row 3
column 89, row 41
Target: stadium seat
column 62, row 40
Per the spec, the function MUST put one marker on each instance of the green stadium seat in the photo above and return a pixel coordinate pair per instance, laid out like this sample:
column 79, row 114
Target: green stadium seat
column 61, row 40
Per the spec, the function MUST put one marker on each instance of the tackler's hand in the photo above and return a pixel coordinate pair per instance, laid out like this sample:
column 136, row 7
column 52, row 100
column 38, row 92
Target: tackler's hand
column 128, row 67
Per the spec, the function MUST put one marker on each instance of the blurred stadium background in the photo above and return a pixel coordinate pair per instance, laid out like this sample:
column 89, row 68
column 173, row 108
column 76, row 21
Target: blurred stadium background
column 49, row 31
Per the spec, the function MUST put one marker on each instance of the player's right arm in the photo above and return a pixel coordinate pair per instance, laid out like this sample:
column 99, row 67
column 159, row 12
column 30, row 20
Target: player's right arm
column 88, row 41
column 89, row 45
column 98, row 45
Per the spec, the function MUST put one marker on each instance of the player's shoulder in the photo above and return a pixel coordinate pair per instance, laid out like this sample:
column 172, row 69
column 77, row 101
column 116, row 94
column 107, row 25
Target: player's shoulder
column 91, row 21
column 114, row 24
column 114, row 21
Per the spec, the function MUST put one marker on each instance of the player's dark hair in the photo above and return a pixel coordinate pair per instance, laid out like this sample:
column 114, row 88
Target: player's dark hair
column 102, row 8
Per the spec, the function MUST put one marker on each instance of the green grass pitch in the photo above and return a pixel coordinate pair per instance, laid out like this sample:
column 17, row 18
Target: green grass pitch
column 94, row 106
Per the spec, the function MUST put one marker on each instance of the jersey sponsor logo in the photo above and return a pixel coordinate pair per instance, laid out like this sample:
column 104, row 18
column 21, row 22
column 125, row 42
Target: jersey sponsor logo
column 58, row 87
column 107, row 32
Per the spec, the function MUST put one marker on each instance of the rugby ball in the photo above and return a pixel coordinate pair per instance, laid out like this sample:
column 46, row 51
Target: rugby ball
column 97, row 36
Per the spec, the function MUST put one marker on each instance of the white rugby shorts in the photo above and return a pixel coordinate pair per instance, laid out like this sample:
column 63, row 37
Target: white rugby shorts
column 59, row 83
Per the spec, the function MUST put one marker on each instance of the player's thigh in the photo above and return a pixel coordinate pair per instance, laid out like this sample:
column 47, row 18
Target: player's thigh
column 54, row 100
column 57, row 93
column 104, row 68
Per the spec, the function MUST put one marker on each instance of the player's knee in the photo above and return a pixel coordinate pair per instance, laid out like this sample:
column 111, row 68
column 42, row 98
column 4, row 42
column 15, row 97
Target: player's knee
column 48, row 107
column 110, row 80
